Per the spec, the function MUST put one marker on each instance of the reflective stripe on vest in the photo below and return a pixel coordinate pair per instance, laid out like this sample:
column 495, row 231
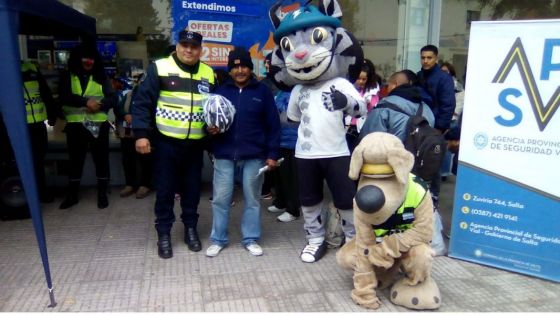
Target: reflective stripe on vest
column 34, row 105
column 93, row 90
column 179, row 112
column 403, row 218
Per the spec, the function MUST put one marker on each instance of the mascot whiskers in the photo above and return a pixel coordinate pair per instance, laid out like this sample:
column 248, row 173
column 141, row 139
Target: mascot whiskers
column 316, row 57
column 393, row 216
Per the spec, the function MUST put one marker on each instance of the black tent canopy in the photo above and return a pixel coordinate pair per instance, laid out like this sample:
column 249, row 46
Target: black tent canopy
column 50, row 17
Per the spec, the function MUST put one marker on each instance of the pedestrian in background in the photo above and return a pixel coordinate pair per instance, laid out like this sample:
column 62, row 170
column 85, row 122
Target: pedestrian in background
column 86, row 95
column 368, row 85
column 137, row 167
column 286, row 175
column 440, row 87
column 39, row 107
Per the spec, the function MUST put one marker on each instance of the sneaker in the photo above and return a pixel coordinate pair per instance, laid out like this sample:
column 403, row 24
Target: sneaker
column 266, row 196
column 313, row 252
column 214, row 250
column 286, row 217
column 126, row 191
column 275, row 209
column 255, row 249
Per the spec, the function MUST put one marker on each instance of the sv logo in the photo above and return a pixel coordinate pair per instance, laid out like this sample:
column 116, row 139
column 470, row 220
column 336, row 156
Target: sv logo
column 517, row 57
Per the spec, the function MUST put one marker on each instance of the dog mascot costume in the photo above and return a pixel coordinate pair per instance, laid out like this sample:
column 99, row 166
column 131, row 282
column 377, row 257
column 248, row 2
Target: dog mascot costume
column 393, row 215
column 315, row 56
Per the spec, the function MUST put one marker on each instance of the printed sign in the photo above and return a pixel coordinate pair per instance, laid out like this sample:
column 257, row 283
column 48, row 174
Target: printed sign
column 507, row 197
column 215, row 54
column 212, row 30
column 225, row 24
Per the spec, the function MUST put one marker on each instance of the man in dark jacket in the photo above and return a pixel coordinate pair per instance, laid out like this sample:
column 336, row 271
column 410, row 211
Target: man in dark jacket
column 406, row 97
column 86, row 95
column 439, row 85
column 249, row 144
column 441, row 88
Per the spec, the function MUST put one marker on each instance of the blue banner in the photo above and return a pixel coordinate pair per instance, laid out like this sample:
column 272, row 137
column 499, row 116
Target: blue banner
column 503, row 224
column 225, row 24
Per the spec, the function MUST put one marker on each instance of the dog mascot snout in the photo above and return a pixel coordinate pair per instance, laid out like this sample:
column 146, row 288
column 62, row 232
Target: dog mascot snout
column 370, row 199
column 393, row 216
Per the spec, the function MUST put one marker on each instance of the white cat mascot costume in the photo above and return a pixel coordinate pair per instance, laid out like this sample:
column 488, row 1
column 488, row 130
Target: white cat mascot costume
column 316, row 57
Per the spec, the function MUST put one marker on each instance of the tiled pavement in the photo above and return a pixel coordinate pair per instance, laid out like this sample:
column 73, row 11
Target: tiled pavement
column 106, row 260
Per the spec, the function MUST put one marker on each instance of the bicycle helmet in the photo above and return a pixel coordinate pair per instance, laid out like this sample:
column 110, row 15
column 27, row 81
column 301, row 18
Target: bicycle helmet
column 218, row 112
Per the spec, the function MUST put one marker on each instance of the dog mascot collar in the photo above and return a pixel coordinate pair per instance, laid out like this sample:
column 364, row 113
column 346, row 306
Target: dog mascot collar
column 377, row 169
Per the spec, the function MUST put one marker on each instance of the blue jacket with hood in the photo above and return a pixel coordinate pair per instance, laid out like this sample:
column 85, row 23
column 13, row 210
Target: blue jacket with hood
column 407, row 98
column 255, row 132
column 441, row 88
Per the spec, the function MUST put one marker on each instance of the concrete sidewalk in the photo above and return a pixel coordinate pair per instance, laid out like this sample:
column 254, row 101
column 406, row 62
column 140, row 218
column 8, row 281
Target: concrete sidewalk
column 106, row 260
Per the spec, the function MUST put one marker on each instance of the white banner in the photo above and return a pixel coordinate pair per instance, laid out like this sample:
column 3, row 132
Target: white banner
column 511, row 125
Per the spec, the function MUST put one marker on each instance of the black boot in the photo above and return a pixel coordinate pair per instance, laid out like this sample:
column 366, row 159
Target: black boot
column 164, row 246
column 71, row 195
column 192, row 240
column 102, row 201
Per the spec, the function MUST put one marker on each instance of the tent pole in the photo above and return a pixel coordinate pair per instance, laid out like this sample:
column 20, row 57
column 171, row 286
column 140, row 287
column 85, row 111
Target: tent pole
column 12, row 108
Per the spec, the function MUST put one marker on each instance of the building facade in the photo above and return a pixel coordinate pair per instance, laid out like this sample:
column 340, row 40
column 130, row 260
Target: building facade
column 391, row 31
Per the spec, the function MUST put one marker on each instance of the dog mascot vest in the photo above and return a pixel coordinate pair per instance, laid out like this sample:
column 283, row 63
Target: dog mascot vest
column 393, row 216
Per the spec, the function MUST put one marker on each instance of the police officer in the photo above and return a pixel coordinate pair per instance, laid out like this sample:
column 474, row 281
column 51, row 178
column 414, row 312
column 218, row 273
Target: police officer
column 172, row 93
column 39, row 106
column 86, row 95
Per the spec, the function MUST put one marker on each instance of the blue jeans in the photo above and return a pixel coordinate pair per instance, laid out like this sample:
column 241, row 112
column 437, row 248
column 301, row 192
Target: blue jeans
column 224, row 173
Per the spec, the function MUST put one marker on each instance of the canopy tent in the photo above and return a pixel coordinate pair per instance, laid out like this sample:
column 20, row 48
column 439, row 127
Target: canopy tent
column 31, row 17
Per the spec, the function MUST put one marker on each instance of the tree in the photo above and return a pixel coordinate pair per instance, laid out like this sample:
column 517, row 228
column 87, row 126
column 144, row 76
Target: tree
column 349, row 9
column 522, row 9
column 122, row 16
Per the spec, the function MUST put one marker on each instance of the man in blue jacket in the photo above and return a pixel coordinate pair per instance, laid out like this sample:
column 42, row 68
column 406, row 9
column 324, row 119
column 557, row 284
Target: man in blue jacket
column 250, row 143
column 441, row 88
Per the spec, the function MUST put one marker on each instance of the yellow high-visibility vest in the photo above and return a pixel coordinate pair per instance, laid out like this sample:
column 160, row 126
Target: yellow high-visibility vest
column 93, row 90
column 403, row 218
column 34, row 104
column 179, row 112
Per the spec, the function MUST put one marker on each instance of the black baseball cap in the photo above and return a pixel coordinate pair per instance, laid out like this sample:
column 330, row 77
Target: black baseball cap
column 189, row 37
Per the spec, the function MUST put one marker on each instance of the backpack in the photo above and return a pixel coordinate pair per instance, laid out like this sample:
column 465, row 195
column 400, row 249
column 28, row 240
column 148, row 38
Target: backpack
column 426, row 143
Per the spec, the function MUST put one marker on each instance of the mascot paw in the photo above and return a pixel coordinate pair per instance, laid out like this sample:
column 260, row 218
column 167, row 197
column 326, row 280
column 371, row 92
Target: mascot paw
column 379, row 260
column 369, row 301
column 334, row 100
column 423, row 296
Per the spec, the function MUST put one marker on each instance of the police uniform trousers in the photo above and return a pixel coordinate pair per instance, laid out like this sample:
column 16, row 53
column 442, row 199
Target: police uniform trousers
column 79, row 140
column 177, row 169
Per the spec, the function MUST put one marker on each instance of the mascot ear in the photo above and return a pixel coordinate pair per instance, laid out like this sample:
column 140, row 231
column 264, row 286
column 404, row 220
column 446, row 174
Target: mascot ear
column 401, row 161
column 274, row 14
column 330, row 8
column 348, row 45
column 356, row 162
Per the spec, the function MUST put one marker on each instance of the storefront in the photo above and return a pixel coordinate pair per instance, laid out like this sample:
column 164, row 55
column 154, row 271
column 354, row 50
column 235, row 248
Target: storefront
column 391, row 32
column 131, row 33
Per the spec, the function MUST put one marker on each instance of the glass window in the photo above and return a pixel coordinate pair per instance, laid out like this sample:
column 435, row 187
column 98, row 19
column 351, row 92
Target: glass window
column 457, row 15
